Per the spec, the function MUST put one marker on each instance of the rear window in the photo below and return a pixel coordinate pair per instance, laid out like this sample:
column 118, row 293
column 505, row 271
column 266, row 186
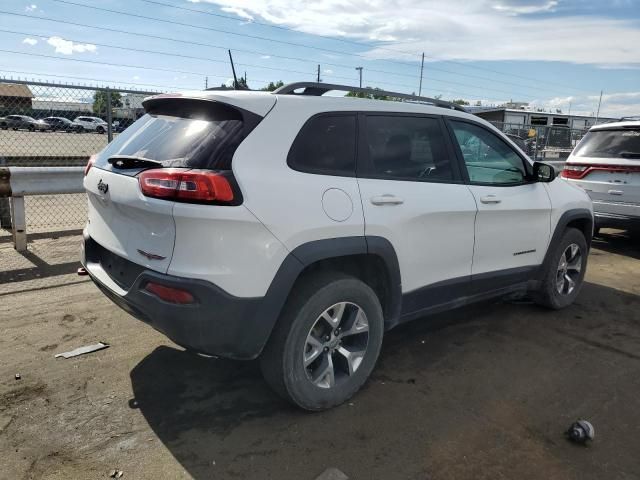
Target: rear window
column 623, row 143
column 326, row 145
column 183, row 133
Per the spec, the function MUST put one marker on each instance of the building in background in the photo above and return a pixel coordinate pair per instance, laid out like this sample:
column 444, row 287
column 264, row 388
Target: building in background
column 15, row 97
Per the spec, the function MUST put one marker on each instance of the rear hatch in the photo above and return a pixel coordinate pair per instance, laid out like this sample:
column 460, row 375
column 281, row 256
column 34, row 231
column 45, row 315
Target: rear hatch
column 179, row 146
column 606, row 163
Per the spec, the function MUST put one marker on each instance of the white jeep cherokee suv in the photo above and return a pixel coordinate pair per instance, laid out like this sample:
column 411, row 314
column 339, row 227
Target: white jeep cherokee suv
column 298, row 228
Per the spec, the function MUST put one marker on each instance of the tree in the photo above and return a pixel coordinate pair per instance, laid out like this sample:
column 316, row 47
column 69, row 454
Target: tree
column 100, row 101
column 273, row 86
column 240, row 85
column 370, row 96
column 478, row 103
column 460, row 101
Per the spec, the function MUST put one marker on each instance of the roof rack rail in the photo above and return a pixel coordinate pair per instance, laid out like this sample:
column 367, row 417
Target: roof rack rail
column 318, row 89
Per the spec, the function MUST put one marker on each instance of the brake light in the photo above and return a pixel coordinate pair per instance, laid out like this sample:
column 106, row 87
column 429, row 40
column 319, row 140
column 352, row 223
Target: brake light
column 89, row 164
column 578, row 171
column 169, row 294
column 574, row 171
column 196, row 186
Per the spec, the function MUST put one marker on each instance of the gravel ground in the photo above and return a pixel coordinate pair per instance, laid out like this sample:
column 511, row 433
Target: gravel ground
column 50, row 144
column 483, row 392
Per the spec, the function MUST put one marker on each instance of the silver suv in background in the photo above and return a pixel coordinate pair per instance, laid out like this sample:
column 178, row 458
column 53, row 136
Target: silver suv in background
column 606, row 163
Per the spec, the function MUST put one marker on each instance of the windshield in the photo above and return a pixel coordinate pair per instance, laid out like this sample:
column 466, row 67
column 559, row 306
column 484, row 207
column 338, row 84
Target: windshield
column 623, row 143
column 178, row 140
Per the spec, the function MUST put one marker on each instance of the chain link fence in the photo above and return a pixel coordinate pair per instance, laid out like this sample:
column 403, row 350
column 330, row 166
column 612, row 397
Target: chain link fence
column 550, row 143
column 50, row 125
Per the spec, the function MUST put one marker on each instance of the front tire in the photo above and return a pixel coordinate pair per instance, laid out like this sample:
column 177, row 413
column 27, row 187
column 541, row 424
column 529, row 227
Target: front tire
column 326, row 343
column 564, row 273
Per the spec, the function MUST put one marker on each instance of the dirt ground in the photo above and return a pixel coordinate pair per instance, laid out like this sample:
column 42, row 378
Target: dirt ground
column 479, row 393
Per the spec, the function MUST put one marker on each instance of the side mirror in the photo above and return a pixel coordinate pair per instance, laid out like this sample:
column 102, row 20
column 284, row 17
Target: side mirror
column 543, row 172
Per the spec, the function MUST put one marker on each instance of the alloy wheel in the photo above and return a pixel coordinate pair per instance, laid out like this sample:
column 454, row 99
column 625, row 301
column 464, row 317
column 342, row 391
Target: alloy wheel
column 569, row 269
column 336, row 345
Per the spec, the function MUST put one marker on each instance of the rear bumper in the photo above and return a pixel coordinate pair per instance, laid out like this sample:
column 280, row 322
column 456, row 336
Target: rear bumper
column 217, row 323
column 616, row 215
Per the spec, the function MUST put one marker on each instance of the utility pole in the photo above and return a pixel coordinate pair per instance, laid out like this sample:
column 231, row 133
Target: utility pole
column 233, row 69
column 421, row 72
column 318, row 79
column 206, row 82
column 599, row 103
column 569, row 114
column 360, row 72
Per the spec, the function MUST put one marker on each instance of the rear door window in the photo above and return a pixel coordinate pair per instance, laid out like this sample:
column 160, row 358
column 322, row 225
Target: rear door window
column 326, row 145
column 183, row 133
column 623, row 143
column 410, row 148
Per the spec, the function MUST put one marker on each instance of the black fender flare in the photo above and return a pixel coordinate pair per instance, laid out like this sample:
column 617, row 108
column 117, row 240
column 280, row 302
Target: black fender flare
column 564, row 220
column 309, row 253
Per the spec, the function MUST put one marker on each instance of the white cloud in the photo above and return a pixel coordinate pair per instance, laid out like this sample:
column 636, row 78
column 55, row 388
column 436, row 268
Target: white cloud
column 481, row 30
column 136, row 77
column 31, row 8
column 265, row 57
column 239, row 12
column 30, row 41
column 328, row 71
column 613, row 104
column 67, row 47
column 525, row 8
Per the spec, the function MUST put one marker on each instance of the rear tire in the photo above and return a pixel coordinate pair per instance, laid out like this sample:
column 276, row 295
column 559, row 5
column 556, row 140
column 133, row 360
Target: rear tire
column 326, row 342
column 564, row 273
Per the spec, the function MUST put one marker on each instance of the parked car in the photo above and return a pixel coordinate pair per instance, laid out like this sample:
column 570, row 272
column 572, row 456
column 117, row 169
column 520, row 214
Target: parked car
column 63, row 124
column 92, row 124
column 241, row 225
column 23, row 122
column 606, row 163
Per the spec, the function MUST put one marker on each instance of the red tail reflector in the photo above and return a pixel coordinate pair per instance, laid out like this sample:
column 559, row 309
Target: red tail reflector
column 577, row 171
column 90, row 163
column 198, row 186
column 169, row 294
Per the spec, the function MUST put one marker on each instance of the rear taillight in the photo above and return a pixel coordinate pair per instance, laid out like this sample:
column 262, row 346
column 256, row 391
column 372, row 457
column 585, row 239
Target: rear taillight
column 183, row 185
column 578, row 171
column 574, row 171
column 169, row 294
column 90, row 163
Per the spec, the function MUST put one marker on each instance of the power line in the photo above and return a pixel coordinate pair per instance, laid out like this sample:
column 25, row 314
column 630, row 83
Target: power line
column 268, row 54
column 350, row 42
column 257, row 37
column 178, row 55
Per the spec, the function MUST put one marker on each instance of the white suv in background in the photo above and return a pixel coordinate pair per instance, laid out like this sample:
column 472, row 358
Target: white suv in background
column 92, row 124
column 299, row 228
column 606, row 163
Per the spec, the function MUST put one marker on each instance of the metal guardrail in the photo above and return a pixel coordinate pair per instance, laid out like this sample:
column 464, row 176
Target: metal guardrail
column 18, row 182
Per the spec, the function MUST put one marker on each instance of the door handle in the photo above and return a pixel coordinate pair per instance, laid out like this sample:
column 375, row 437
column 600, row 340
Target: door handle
column 490, row 199
column 615, row 192
column 386, row 200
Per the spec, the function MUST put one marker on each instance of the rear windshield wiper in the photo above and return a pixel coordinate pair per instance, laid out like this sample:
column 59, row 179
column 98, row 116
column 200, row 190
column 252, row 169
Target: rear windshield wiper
column 629, row 155
column 131, row 161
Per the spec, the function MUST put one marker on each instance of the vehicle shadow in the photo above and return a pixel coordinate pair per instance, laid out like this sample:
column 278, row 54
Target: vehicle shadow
column 219, row 419
column 617, row 241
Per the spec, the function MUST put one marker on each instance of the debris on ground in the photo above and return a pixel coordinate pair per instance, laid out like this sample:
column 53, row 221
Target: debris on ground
column 116, row 474
column 581, row 432
column 332, row 474
column 18, row 376
column 82, row 350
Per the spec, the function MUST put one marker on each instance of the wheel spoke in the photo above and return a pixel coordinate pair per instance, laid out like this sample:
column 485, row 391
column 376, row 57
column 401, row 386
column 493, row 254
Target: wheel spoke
column 358, row 325
column 315, row 349
column 354, row 358
column 335, row 317
column 571, row 284
column 575, row 264
column 574, row 250
column 325, row 375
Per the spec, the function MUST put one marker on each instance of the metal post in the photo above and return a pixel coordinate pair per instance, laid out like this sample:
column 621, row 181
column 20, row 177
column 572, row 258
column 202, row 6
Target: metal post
column 421, row 72
column 360, row 72
column 318, row 80
column 233, row 69
column 599, row 103
column 109, row 117
column 19, row 224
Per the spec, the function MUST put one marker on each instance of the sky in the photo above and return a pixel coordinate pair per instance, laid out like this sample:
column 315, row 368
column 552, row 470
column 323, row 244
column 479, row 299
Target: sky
column 554, row 54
